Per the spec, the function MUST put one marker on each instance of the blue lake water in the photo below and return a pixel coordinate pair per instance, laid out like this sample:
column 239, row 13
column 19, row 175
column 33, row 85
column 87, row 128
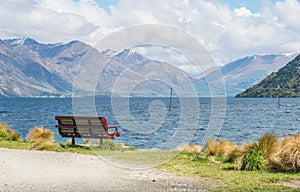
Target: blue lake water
column 146, row 125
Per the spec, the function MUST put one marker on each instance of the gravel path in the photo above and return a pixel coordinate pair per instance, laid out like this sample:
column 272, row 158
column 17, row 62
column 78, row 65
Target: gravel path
column 22, row 170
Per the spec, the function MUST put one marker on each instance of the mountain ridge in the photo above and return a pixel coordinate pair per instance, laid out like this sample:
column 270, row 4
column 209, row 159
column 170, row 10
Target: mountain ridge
column 243, row 73
column 283, row 83
column 32, row 69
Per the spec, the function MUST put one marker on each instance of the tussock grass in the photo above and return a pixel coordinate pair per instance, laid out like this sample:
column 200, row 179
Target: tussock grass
column 225, row 178
column 259, row 155
column 41, row 139
column 251, row 158
column 8, row 134
column 289, row 154
column 269, row 144
column 226, row 150
column 191, row 148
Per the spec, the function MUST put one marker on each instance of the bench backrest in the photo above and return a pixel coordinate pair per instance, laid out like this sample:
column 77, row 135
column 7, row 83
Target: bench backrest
column 82, row 127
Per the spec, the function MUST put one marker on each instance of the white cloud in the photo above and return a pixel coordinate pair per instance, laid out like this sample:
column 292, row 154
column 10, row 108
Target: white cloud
column 228, row 34
column 244, row 12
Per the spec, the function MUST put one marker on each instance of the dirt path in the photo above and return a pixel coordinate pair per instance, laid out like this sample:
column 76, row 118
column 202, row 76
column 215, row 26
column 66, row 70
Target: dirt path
column 22, row 170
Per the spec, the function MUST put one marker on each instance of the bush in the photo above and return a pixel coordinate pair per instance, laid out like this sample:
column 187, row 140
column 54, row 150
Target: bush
column 289, row 154
column 8, row 134
column 41, row 139
column 251, row 158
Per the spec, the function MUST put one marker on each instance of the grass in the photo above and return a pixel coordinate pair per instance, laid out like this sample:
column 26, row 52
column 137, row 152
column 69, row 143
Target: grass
column 226, row 177
column 149, row 158
column 41, row 139
column 290, row 152
column 8, row 134
column 191, row 162
column 251, row 158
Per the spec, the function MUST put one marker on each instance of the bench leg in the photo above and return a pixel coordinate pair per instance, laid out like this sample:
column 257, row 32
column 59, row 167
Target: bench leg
column 73, row 140
column 101, row 141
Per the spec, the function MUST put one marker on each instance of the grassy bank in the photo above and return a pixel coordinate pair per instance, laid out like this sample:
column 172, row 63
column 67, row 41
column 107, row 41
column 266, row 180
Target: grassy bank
column 226, row 177
column 221, row 162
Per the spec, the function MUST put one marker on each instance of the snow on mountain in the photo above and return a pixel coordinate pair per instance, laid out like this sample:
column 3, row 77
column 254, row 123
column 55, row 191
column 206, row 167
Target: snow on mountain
column 128, row 56
column 32, row 69
column 243, row 73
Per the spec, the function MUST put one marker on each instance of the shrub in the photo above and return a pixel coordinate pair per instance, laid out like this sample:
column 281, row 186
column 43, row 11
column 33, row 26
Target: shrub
column 41, row 139
column 289, row 154
column 251, row 158
column 8, row 134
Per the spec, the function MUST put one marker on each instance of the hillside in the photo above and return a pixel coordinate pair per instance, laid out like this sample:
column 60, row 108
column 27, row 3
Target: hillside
column 32, row 69
column 284, row 83
column 246, row 72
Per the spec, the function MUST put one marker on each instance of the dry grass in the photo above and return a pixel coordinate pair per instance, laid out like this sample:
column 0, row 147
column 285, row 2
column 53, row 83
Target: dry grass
column 224, row 149
column 189, row 148
column 41, row 139
column 260, row 155
column 251, row 158
column 289, row 154
column 269, row 144
column 7, row 133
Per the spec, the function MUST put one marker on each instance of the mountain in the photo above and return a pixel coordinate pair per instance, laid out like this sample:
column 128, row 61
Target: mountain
column 284, row 83
column 32, row 69
column 131, row 71
column 243, row 73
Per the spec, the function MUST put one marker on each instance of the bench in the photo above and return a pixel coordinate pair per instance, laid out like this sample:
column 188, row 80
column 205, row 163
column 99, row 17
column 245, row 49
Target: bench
column 85, row 127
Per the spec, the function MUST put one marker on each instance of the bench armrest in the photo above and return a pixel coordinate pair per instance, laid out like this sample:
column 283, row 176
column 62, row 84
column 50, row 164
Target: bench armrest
column 113, row 127
column 113, row 134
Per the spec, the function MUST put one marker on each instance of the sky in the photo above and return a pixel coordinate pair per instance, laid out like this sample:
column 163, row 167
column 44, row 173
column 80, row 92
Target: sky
column 228, row 29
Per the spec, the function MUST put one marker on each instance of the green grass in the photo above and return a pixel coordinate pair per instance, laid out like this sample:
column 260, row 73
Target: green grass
column 226, row 177
column 147, row 157
column 74, row 149
column 14, row 144
column 186, row 163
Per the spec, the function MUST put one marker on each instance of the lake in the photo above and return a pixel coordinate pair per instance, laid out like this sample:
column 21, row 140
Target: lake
column 147, row 122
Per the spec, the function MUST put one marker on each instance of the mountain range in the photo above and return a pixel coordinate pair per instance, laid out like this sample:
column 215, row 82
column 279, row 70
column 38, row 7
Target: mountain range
column 243, row 73
column 32, row 69
column 284, row 83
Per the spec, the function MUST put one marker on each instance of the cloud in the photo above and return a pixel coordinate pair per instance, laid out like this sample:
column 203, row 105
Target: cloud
column 228, row 34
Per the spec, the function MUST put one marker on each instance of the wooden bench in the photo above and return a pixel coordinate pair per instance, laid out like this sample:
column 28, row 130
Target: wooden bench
column 85, row 127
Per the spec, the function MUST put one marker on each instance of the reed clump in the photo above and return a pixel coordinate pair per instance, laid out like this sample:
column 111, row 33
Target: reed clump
column 8, row 134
